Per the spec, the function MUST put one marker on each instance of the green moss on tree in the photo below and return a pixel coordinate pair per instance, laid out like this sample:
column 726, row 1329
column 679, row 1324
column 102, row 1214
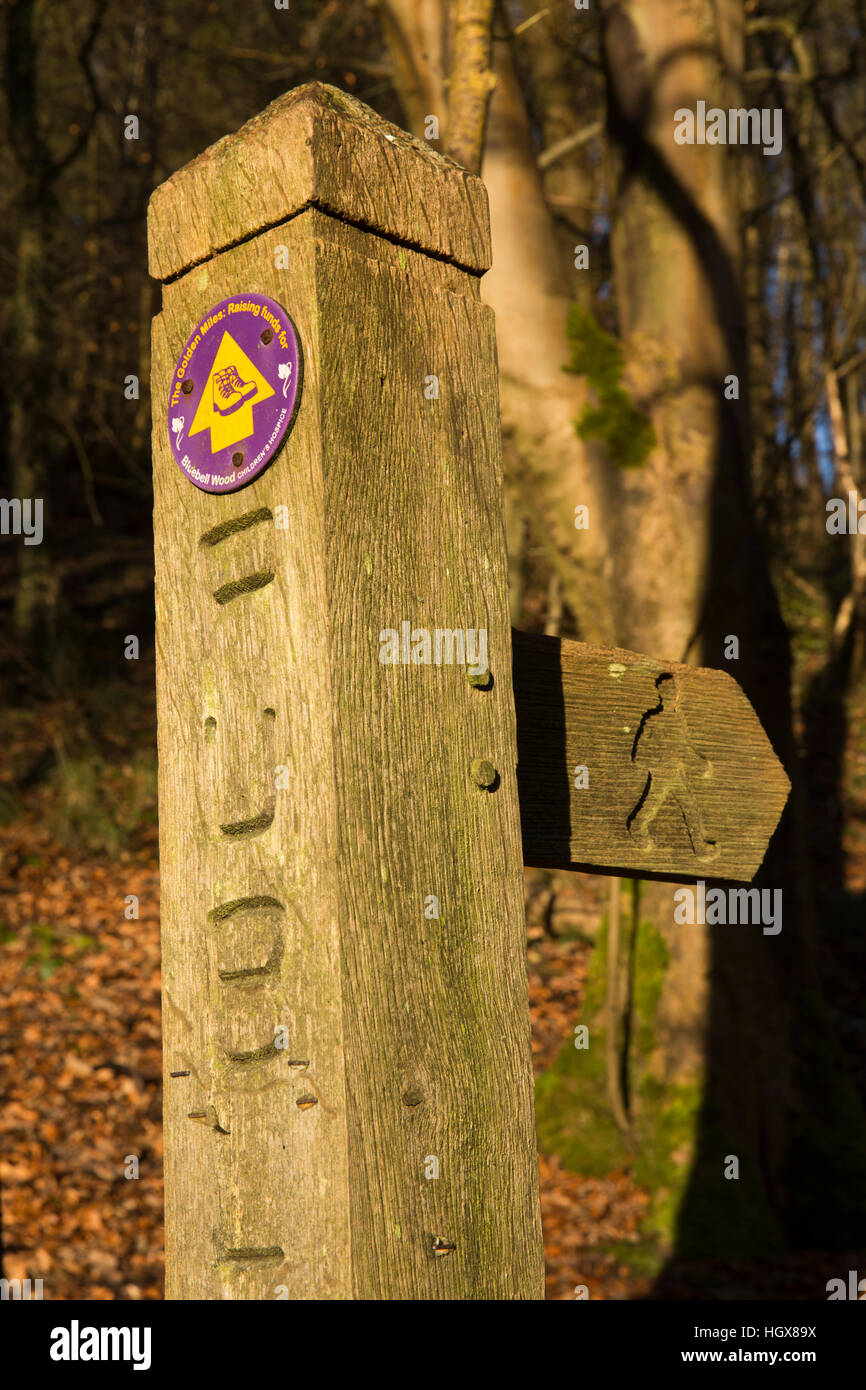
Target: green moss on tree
column 626, row 432
column 679, row 1146
column 572, row 1115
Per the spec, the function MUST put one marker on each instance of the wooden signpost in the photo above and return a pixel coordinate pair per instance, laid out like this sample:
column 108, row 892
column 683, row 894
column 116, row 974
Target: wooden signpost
column 348, row 1085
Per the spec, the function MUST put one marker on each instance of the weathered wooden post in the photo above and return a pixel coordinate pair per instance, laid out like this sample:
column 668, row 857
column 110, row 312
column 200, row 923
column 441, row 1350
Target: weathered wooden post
column 348, row 1107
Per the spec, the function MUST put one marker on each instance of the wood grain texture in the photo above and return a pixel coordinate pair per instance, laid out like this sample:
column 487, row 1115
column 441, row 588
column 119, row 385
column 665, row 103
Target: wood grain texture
column 410, row 1033
column 318, row 147
column 277, row 1180
column 682, row 779
column 435, row 1009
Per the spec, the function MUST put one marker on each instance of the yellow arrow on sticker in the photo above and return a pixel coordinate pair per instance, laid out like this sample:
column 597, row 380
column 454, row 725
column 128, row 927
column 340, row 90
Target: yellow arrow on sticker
column 232, row 389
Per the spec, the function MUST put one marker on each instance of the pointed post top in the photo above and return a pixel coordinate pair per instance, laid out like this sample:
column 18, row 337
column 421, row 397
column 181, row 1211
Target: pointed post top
column 318, row 147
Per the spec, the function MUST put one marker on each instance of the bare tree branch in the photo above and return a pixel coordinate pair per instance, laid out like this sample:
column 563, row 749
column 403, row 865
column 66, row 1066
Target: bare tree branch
column 571, row 142
column 471, row 82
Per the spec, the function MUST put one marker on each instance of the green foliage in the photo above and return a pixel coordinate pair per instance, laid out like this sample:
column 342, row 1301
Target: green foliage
column 679, row 1145
column 595, row 354
column 572, row 1116
column 626, row 432
column 47, row 940
column 100, row 804
column 9, row 804
column 651, row 960
column 807, row 612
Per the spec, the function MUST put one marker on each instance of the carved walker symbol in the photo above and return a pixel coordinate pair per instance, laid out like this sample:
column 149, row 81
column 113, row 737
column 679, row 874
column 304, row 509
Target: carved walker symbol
column 662, row 747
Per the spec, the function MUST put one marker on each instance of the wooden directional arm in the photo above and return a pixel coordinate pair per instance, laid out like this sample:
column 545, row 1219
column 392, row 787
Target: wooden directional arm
column 639, row 767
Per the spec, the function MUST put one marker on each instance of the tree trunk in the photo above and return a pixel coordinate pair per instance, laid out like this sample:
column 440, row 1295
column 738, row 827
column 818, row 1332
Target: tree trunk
column 36, row 591
column 530, row 292
column 717, row 1014
column 28, row 378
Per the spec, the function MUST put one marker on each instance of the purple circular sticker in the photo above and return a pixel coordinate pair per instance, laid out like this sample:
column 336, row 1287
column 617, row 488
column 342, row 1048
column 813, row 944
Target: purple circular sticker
column 234, row 392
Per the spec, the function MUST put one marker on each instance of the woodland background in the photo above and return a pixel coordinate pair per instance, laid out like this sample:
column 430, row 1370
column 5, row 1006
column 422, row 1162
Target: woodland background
column 707, row 518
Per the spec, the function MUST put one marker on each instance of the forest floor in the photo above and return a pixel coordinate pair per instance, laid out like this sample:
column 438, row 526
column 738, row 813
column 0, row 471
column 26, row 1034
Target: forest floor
column 80, row 1076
